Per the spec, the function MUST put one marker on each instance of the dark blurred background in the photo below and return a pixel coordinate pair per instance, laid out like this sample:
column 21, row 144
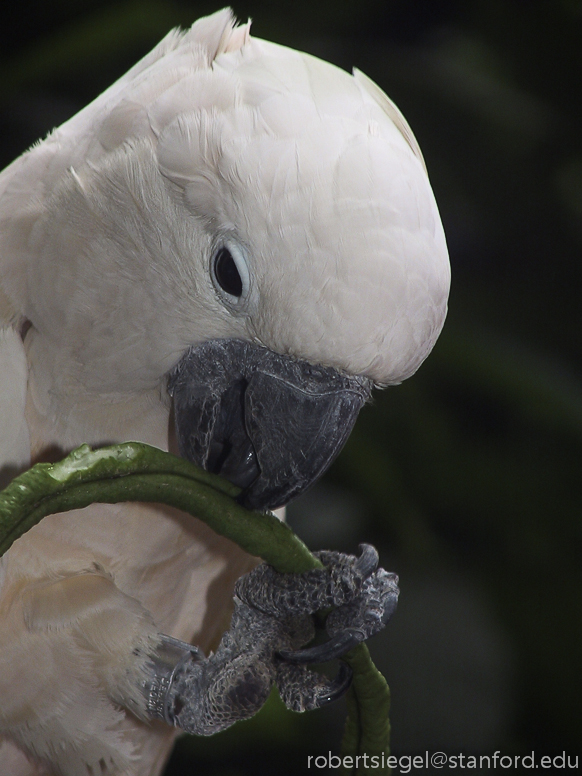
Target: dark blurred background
column 468, row 476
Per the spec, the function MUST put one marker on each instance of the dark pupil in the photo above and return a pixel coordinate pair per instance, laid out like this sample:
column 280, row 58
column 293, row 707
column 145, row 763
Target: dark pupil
column 227, row 273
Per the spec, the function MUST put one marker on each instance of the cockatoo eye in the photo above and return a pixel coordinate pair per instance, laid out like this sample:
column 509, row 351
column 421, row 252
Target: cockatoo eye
column 227, row 274
column 230, row 274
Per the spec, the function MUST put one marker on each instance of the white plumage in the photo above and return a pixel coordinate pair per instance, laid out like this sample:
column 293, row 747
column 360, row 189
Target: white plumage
column 106, row 229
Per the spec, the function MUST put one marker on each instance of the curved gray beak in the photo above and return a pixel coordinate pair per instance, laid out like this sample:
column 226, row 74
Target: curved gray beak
column 268, row 423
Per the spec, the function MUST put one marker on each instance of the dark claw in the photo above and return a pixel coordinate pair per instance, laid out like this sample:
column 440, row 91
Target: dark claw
column 322, row 653
column 338, row 687
column 391, row 607
column 367, row 563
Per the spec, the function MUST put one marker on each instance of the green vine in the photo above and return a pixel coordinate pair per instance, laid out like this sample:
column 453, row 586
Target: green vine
column 137, row 472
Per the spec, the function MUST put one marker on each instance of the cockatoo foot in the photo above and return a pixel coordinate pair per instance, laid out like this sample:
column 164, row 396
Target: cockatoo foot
column 272, row 618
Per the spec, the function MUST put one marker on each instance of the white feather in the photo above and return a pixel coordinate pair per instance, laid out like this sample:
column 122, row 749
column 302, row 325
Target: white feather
column 14, row 439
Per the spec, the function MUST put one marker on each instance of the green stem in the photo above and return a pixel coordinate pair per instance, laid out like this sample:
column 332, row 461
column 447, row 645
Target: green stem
column 137, row 472
column 367, row 728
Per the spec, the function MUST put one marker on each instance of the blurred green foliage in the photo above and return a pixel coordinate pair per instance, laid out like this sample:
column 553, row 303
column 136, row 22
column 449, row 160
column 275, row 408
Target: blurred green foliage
column 473, row 466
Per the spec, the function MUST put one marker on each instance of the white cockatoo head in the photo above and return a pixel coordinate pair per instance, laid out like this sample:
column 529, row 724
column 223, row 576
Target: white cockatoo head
column 255, row 224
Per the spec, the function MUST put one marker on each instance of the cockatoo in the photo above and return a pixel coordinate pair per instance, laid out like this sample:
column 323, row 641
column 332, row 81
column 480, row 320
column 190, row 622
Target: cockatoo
column 220, row 255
